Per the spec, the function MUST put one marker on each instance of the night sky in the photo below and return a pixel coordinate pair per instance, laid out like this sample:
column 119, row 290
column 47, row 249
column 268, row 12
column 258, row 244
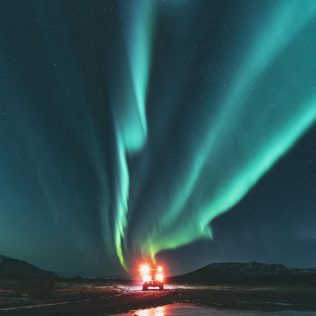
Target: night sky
column 181, row 129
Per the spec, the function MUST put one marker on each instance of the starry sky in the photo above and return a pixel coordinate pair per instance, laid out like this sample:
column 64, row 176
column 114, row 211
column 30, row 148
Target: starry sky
column 182, row 130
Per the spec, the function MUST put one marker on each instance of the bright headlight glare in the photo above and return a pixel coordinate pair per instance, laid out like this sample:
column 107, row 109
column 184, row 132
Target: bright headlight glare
column 159, row 277
column 146, row 278
column 144, row 269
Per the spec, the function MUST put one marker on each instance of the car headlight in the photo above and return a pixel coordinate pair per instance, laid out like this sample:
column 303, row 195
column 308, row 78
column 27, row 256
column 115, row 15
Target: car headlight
column 159, row 277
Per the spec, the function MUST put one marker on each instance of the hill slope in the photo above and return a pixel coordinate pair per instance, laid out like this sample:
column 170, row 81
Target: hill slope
column 19, row 269
column 247, row 273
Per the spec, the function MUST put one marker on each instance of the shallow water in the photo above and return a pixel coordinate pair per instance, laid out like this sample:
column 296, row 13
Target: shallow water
column 180, row 309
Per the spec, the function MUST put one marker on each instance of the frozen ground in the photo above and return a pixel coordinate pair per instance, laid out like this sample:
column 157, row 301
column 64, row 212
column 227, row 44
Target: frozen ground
column 99, row 298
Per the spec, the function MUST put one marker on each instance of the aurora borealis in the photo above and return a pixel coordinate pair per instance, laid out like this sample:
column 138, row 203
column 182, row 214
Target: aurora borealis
column 157, row 127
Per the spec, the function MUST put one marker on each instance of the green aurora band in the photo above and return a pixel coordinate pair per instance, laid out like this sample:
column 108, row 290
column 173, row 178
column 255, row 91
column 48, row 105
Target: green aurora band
column 130, row 113
column 260, row 115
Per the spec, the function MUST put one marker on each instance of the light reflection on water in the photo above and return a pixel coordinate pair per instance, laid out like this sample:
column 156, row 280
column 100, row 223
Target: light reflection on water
column 157, row 311
column 182, row 309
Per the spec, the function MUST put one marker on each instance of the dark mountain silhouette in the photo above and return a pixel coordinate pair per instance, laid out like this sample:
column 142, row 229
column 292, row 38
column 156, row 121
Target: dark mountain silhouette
column 248, row 273
column 18, row 269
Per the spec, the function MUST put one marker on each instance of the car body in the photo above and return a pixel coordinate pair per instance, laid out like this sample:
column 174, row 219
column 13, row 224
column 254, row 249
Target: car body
column 152, row 276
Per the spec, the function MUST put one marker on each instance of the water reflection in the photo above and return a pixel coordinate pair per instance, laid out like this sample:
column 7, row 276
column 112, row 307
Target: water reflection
column 157, row 311
column 184, row 309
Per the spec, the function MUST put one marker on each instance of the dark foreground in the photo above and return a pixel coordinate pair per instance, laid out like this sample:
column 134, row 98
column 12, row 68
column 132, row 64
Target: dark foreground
column 89, row 299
